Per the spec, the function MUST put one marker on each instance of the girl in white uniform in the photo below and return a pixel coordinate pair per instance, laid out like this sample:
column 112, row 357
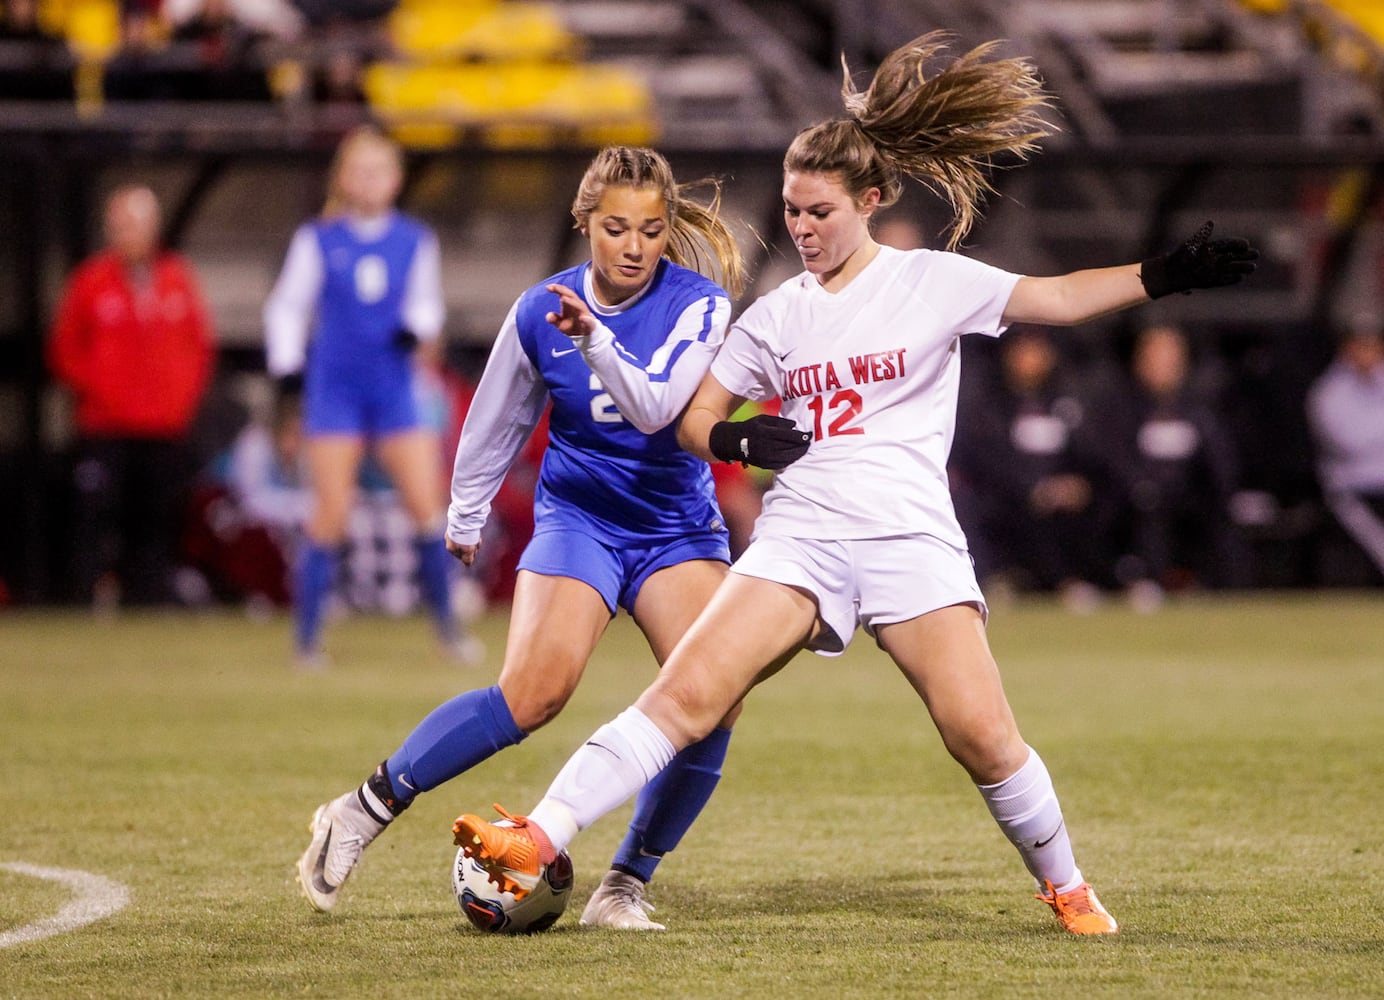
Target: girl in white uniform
column 863, row 348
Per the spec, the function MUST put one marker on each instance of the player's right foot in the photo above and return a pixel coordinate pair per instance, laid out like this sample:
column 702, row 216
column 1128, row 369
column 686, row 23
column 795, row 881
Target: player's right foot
column 508, row 853
column 1079, row 910
column 619, row 903
column 340, row 831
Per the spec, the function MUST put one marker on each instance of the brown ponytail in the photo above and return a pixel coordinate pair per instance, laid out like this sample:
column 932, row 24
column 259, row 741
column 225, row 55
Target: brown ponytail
column 943, row 130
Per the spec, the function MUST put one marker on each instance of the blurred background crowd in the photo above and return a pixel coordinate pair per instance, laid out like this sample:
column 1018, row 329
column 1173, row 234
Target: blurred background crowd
column 163, row 151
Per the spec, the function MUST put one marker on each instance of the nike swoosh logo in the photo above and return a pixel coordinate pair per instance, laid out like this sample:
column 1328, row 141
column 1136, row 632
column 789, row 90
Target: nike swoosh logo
column 1045, row 843
column 561, row 354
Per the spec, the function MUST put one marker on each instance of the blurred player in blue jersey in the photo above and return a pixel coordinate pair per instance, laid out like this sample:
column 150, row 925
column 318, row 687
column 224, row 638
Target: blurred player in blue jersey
column 360, row 290
column 623, row 516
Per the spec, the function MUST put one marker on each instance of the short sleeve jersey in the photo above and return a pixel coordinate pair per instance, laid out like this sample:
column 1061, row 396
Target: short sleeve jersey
column 599, row 469
column 873, row 372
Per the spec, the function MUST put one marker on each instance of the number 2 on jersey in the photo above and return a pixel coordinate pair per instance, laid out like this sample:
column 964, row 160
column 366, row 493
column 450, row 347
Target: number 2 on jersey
column 844, row 407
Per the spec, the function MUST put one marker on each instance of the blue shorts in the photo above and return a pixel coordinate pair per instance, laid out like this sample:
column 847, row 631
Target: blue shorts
column 368, row 406
column 616, row 572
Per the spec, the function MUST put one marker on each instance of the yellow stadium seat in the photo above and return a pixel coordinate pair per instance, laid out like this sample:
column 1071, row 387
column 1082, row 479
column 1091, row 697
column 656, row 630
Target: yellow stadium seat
column 1368, row 15
column 517, row 30
column 520, row 31
column 92, row 28
column 1265, row 6
column 520, row 104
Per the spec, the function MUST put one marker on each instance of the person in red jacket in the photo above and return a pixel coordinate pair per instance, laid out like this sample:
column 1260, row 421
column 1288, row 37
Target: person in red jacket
column 133, row 343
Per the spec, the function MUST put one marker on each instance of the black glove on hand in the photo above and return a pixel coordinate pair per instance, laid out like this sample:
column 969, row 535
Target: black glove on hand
column 405, row 340
column 765, row 441
column 289, row 386
column 1201, row 262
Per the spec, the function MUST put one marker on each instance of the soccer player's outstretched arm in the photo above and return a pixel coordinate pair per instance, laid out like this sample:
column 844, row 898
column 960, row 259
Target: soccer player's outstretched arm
column 1068, row 299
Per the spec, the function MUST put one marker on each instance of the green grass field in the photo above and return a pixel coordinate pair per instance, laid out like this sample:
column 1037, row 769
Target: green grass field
column 1221, row 767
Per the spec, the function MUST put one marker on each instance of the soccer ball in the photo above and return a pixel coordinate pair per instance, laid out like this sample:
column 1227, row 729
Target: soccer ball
column 497, row 912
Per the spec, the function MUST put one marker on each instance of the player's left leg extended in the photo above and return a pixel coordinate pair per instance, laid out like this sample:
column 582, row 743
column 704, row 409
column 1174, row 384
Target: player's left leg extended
column 945, row 656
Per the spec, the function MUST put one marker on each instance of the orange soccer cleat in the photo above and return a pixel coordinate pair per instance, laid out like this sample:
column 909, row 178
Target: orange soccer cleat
column 1079, row 910
column 509, row 852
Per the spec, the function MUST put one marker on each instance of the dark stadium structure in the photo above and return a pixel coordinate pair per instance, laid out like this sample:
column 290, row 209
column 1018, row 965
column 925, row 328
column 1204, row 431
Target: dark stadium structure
column 1266, row 115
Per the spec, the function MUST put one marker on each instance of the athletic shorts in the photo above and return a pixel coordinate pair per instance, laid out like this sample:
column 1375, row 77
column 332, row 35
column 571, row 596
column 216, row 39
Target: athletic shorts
column 865, row 581
column 367, row 407
column 615, row 571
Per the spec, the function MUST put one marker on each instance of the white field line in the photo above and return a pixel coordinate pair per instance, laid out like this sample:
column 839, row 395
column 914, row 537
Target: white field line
column 97, row 897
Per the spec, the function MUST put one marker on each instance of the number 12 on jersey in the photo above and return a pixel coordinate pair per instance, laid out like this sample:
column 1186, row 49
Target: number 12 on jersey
column 839, row 409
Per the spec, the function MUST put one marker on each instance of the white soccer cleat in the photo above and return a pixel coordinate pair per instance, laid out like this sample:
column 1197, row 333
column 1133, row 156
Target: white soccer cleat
column 340, row 830
column 619, row 903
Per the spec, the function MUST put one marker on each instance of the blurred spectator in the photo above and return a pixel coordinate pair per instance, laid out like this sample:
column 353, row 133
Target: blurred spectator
column 263, row 18
column 1180, row 473
column 1029, row 476
column 340, row 77
column 35, row 64
column 1345, row 409
column 245, row 523
column 220, row 52
column 137, row 71
column 319, row 12
column 197, row 50
column 133, row 343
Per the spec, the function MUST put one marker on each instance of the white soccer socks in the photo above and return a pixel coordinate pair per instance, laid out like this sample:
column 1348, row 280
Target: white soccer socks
column 618, row 760
column 1026, row 808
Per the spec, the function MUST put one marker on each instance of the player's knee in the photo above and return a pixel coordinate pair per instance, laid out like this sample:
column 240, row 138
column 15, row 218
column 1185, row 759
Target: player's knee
column 989, row 749
column 681, row 711
column 535, row 698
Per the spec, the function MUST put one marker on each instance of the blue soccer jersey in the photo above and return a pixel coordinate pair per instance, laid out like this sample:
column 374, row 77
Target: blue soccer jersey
column 346, row 291
column 613, row 465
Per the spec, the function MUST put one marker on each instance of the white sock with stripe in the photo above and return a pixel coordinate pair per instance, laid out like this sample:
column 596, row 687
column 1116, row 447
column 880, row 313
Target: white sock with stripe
column 1026, row 808
column 619, row 759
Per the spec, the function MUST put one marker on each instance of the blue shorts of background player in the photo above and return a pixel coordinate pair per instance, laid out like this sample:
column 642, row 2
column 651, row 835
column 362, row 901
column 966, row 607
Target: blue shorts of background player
column 368, row 406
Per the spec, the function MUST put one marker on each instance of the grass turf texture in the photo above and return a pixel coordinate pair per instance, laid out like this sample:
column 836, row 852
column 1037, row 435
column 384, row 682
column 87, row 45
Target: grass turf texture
column 1220, row 766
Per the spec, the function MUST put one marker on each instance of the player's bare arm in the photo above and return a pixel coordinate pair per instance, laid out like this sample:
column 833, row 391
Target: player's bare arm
column 1197, row 262
column 711, row 404
column 1078, row 297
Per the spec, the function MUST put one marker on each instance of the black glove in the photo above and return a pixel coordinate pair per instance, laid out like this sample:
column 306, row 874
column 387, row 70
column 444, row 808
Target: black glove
column 289, row 386
column 1201, row 262
column 769, row 442
column 404, row 340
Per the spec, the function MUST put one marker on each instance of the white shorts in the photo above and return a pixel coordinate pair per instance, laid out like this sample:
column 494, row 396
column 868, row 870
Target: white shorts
column 866, row 581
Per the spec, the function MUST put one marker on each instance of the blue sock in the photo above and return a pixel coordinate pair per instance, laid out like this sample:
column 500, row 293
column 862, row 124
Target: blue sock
column 455, row 737
column 316, row 571
column 434, row 577
column 668, row 805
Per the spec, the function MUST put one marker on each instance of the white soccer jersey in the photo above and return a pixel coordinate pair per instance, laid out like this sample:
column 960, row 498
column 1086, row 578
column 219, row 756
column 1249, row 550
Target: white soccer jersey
column 872, row 371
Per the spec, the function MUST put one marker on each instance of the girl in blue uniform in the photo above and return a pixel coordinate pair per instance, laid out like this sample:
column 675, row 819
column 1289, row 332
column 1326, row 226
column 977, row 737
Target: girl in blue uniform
column 623, row 516
column 359, row 291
